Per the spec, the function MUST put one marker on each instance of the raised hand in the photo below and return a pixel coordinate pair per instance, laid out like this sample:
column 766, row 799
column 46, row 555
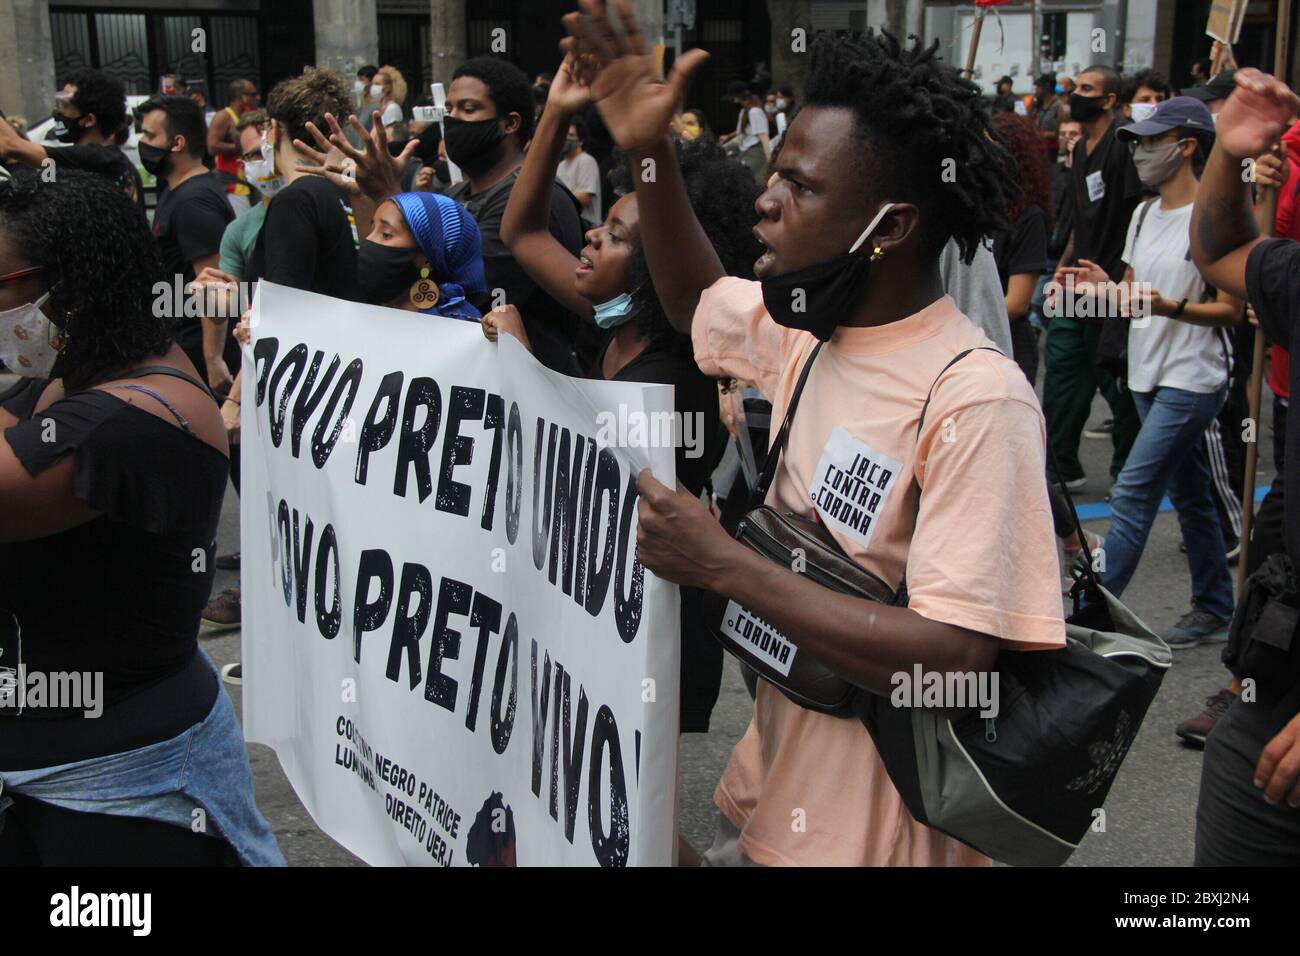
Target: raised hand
column 1273, row 168
column 1256, row 115
column 378, row 174
column 636, row 102
column 570, row 92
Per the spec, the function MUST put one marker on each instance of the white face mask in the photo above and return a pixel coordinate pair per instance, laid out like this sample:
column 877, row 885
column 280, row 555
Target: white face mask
column 1141, row 111
column 358, row 86
column 376, row 92
column 261, row 173
column 28, row 340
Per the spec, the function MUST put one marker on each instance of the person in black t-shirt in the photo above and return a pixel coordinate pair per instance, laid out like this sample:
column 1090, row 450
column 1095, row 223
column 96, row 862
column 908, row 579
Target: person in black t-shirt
column 1106, row 191
column 89, row 113
column 192, row 211
column 1250, row 778
column 112, row 471
column 308, row 241
column 1021, row 251
column 489, row 120
column 609, row 285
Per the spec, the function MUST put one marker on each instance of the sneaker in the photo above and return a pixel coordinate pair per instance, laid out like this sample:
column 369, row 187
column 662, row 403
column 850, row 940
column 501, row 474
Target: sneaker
column 1194, row 730
column 233, row 673
column 1196, row 627
column 1074, row 484
column 1104, row 430
column 222, row 612
column 1074, row 556
column 227, row 562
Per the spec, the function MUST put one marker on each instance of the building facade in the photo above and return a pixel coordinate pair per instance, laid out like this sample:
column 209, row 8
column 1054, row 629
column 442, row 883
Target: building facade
column 41, row 42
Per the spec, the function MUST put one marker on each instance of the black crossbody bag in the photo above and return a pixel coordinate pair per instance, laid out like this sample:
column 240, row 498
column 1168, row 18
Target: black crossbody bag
column 806, row 546
column 1022, row 787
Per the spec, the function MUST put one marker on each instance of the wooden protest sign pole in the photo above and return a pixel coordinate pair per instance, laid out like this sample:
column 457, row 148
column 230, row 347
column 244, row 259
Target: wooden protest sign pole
column 1265, row 217
column 974, row 42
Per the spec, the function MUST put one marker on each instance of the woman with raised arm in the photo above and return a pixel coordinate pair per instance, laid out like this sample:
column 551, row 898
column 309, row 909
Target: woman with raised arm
column 609, row 283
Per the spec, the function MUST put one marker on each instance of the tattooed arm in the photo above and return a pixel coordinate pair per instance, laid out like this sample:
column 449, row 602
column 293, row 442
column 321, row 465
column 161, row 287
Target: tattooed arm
column 1224, row 230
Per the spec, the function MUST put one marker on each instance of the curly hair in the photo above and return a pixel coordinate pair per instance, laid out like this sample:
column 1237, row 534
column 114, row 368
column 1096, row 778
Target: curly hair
column 102, row 265
column 102, row 95
column 917, row 119
column 307, row 98
column 394, row 76
column 1018, row 137
column 722, row 194
column 507, row 86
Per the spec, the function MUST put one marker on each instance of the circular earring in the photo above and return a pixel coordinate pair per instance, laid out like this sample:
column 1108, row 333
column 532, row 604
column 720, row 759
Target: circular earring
column 877, row 254
column 424, row 293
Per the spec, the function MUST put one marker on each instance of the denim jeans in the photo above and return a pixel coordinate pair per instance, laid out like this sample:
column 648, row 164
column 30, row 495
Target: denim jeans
column 1168, row 456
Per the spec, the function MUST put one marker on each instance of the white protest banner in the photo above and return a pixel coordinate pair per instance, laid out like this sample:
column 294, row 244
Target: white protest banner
column 447, row 639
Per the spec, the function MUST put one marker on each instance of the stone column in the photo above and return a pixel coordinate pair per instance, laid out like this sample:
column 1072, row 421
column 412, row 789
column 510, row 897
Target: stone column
column 448, row 32
column 347, row 35
column 26, row 59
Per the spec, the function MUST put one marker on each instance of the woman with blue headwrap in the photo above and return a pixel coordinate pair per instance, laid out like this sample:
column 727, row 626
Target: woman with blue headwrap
column 423, row 254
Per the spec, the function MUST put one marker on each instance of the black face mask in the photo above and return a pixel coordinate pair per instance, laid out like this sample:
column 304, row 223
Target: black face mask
column 427, row 151
column 153, row 159
column 473, row 146
column 66, row 130
column 1084, row 108
column 817, row 298
column 384, row 272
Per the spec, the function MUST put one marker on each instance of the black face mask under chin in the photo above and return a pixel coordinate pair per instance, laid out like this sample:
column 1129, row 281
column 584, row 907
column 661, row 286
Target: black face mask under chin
column 819, row 297
column 384, row 272
column 474, row 146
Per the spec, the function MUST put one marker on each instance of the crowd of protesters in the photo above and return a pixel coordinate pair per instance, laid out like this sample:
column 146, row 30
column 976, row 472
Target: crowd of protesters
column 522, row 206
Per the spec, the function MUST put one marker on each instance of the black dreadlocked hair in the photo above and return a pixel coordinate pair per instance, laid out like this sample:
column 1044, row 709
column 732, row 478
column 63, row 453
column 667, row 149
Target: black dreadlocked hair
column 722, row 193
column 100, row 261
column 919, row 119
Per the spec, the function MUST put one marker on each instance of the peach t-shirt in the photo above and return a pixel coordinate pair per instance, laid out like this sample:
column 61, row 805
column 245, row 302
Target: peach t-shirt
column 806, row 788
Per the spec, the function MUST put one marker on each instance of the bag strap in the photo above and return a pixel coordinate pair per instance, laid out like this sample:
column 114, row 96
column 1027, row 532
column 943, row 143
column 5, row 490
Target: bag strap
column 1078, row 525
column 778, row 443
column 1142, row 216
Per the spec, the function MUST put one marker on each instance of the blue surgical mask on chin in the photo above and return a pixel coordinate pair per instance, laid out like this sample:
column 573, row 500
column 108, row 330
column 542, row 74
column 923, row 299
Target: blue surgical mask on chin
column 614, row 312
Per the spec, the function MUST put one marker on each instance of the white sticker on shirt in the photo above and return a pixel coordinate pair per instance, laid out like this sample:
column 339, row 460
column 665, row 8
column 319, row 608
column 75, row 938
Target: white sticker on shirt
column 851, row 486
column 1096, row 186
column 759, row 638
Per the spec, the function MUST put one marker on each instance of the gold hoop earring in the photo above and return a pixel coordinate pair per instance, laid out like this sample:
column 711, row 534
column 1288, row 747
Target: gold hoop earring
column 424, row 293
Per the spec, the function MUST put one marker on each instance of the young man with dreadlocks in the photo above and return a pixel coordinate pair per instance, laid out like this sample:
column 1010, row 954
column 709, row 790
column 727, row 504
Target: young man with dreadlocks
column 853, row 227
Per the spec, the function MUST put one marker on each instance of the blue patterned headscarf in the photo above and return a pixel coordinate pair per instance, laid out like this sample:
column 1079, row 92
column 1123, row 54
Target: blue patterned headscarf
column 449, row 238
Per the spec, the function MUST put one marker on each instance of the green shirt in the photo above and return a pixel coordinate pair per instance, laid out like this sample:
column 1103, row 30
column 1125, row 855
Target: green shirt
column 238, row 240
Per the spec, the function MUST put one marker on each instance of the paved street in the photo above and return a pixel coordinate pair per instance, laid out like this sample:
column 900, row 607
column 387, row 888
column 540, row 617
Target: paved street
column 1150, row 812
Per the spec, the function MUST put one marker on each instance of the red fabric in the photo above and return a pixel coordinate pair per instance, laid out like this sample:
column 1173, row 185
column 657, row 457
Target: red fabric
column 990, row 3
column 1287, row 226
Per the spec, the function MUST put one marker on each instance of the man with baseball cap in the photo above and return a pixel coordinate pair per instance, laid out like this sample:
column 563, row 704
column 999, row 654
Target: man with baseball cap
column 1215, row 92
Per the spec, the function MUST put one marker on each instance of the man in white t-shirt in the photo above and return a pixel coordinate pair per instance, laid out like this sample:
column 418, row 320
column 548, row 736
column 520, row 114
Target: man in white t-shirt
column 580, row 173
column 1179, row 361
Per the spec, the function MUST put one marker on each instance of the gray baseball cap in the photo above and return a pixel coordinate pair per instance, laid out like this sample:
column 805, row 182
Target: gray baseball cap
column 1181, row 112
